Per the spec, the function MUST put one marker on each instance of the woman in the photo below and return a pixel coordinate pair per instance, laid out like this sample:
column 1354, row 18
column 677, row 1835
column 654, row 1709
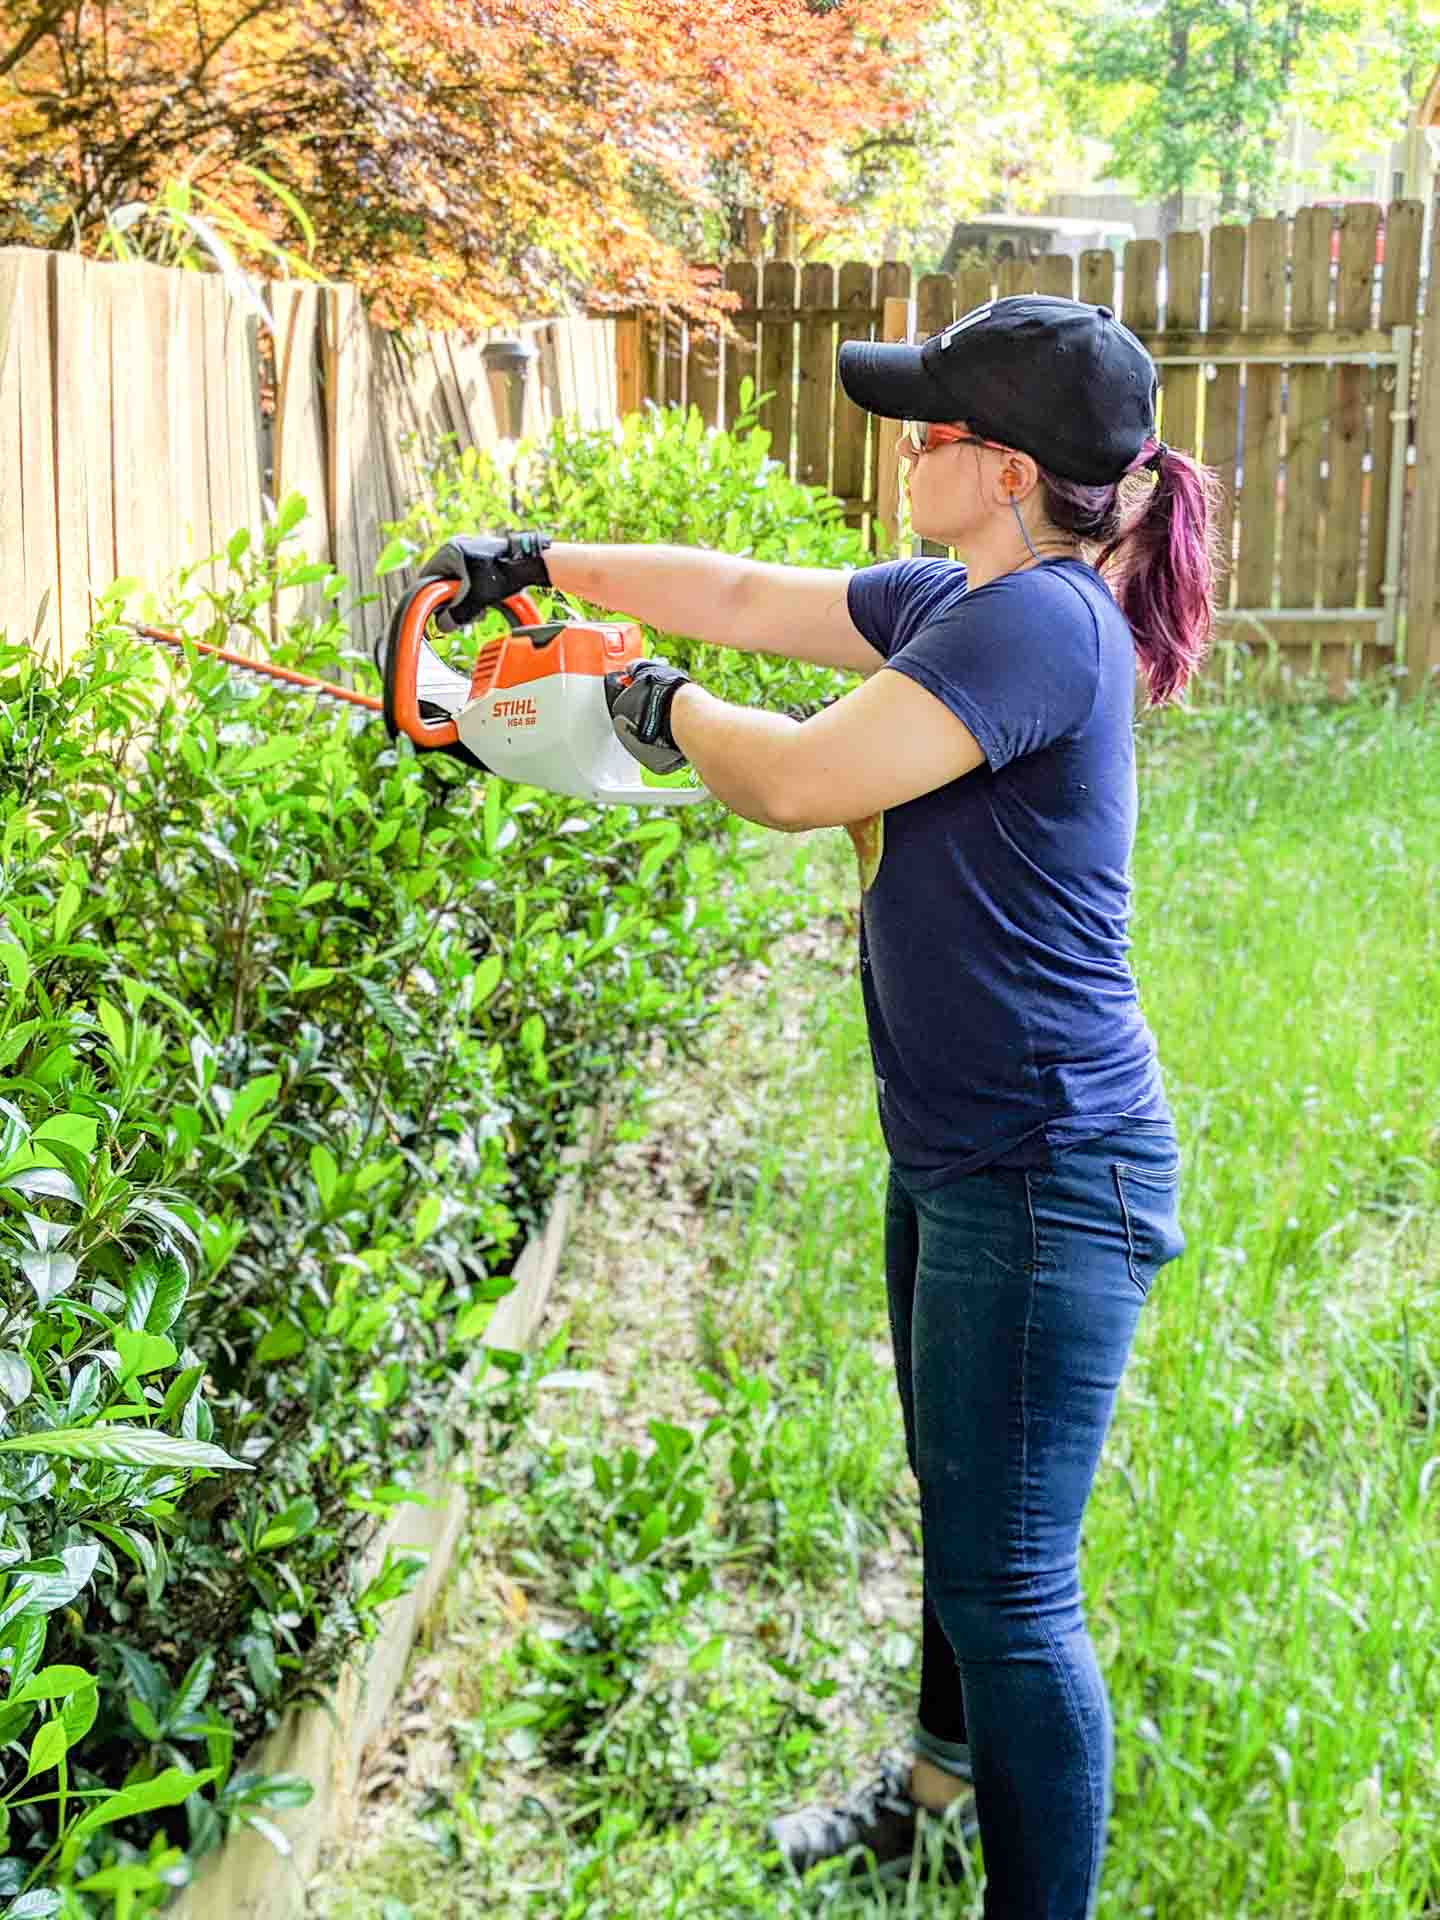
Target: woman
column 989, row 779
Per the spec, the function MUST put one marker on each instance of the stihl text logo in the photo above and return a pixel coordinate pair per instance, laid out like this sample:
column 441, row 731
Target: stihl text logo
column 517, row 713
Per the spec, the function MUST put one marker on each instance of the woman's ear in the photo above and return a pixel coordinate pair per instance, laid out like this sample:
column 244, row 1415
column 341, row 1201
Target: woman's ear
column 1019, row 477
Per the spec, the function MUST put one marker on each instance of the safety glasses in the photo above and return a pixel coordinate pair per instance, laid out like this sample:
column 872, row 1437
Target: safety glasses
column 920, row 436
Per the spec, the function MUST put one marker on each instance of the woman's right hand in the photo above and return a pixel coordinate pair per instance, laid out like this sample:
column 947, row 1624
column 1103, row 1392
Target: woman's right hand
column 493, row 567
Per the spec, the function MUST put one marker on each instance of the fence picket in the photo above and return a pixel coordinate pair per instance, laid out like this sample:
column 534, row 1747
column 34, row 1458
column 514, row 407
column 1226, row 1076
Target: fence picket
column 892, row 286
column 1349, row 390
column 975, row 288
column 1265, row 313
column 1142, row 286
column 80, row 390
column 1055, row 275
column 27, row 534
column 1222, row 394
column 885, row 434
column 934, row 304
column 1399, row 297
column 848, row 479
column 741, row 354
column 299, row 435
column 1307, row 424
column 1097, row 276
column 629, row 386
column 815, row 360
column 1180, row 387
column 703, row 365
column 780, row 285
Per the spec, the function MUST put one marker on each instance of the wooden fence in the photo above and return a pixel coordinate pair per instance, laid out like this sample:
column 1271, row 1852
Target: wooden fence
column 1286, row 358
column 133, row 441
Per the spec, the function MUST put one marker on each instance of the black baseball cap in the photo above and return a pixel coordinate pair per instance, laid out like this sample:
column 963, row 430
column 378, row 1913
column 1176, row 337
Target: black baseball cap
column 1061, row 380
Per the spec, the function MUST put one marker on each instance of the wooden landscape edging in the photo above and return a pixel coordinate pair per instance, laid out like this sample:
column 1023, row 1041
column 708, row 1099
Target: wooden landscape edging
column 247, row 1878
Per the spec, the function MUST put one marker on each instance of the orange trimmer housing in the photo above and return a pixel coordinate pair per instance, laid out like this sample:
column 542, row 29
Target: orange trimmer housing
column 533, row 708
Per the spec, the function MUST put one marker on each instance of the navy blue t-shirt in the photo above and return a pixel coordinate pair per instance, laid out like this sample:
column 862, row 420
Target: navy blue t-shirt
column 1004, row 1020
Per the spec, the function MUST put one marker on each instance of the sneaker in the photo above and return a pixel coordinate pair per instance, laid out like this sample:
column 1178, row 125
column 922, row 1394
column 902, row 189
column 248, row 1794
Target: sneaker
column 880, row 1820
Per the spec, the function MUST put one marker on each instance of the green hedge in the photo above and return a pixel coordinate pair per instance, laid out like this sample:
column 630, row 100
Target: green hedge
column 296, row 1027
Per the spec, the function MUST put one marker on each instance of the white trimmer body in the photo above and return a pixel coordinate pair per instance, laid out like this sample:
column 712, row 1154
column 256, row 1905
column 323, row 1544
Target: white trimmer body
column 557, row 733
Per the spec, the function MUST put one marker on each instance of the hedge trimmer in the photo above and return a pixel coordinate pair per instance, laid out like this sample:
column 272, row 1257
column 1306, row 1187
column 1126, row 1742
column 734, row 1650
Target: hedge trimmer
column 533, row 709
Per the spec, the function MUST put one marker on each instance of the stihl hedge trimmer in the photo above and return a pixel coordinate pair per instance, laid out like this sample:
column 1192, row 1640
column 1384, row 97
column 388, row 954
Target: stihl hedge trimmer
column 533, row 709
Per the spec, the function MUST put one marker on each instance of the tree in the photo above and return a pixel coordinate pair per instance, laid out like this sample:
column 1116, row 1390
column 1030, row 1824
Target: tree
column 461, row 162
column 986, row 129
column 1193, row 95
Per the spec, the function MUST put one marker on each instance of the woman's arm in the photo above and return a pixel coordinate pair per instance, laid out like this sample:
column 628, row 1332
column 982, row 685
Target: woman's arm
column 799, row 613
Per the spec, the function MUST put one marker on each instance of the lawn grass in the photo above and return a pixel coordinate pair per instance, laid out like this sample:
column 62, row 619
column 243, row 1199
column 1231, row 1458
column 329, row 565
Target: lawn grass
column 1260, row 1556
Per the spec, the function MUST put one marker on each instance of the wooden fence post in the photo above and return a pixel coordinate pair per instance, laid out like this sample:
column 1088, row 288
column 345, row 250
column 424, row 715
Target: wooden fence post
column 1422, row 626
column 894, row 325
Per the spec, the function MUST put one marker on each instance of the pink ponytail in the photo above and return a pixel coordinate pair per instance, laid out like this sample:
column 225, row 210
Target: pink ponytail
column 1158, row 556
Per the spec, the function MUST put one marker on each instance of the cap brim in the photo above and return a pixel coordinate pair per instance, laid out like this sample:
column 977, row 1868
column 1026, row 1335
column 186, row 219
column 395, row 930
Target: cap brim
column 890, row 380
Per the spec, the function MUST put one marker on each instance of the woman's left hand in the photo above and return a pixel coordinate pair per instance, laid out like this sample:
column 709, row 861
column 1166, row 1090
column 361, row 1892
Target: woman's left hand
column 639, row 697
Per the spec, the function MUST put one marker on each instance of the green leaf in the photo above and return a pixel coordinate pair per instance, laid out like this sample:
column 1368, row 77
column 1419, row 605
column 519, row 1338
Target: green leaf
column 16, row 1380
column 248, row 1102
column 142, row 1353
column 24, row 1641
column 114, row 1024
column 324, row 1172
column 280, row 1342
column 168, row 1789
column 277, row 1790
column 170, row 1296
column 708, row 1656
column 66, row 908
column 70, row 1571
column 191, row 1692
column 398, row 1575
column 289, row 514
column 145, row 1723
column 80, row 1712
column 49, row 1273
column 298, row 1518
column 126, row 1445
column 47, row 1749
column 179, row 1392
column 238, row 546
column 17, row 1039
column 399, row 553
column 487, row 977
column 53, row 1683
column 269, row 753
column 76, row 1130
column 16, row 962
column 41, row 1903
column 521, row 1713
column 427, row 1217
column 309, row 978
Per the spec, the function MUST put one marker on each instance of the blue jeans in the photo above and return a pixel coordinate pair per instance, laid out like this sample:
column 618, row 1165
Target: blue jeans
column 1014, row 1296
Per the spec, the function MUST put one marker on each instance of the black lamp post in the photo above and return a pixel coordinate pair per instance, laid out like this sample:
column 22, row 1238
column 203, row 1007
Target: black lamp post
column 507, row 369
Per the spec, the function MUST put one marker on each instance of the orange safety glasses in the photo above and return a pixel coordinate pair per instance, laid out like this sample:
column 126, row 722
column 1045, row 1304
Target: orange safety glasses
column 921, row 435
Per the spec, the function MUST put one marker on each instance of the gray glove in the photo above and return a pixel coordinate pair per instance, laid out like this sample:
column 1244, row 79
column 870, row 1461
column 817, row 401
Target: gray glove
column 493, row 566
column 639, row 697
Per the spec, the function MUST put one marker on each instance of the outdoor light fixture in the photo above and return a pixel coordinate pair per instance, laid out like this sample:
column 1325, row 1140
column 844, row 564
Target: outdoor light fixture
column 507, row 368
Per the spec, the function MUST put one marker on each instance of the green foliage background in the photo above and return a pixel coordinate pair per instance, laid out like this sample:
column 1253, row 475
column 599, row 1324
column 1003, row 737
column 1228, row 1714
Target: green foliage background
column 297, row 1025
